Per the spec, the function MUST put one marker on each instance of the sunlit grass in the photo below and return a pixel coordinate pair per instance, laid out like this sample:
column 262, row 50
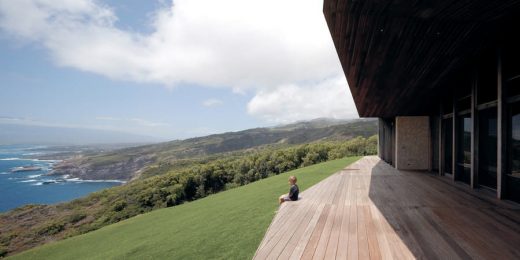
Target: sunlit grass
column 227, row 225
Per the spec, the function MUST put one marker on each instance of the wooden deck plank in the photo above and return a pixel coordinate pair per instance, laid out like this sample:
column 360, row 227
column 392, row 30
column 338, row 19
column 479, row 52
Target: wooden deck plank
column 352, row 246
column 363, row 250
column 310, row 248
column 381, row 194
column 309, row 230
column 474, row 245
column 382, row 240
column 453, row 243
column 323, row 242
column 288, row 245
column 282, row 233
column 428, row 238
column 301, row 232
column 302, row 242
column 370, row 210
column 288, row 231
column 332, row 246
column 318, row 249
column 373, row 244
column 341, row 252
column 398, row 249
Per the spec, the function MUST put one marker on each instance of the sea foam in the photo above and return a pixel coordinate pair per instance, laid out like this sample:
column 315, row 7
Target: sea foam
column 29, row 181
column 78, row 180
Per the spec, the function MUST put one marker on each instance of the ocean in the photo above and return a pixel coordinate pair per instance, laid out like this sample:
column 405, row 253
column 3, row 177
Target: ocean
column 19, row 188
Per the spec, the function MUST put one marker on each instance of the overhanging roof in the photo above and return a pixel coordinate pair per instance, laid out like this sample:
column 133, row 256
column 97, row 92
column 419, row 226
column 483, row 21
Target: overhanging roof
column 396, row 53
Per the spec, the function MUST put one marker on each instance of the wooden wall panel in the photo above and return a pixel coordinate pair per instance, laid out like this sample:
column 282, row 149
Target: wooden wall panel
column 398, row 56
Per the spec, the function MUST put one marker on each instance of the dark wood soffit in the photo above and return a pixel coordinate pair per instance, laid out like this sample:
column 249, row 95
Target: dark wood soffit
column 397, row 54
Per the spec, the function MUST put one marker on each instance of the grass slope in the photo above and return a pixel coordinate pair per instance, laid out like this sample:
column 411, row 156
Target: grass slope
column 227, row 225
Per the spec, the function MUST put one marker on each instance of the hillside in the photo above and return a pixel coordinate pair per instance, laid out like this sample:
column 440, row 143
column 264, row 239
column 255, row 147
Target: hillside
column 227, row 225
column 32, row 225
column 131, row 163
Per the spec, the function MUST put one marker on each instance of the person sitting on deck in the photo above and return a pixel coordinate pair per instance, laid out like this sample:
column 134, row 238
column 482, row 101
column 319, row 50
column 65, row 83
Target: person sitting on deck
column 293, row 191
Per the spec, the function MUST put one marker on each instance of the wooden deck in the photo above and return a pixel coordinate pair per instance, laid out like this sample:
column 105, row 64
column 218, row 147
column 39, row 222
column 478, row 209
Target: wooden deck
column 369, row 210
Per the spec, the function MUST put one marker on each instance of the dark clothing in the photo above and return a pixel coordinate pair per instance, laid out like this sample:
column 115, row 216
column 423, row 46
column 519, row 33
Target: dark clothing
column 293, row 192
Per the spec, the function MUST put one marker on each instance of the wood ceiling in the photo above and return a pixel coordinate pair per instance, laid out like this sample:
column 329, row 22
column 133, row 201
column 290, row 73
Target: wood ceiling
column 399, row 55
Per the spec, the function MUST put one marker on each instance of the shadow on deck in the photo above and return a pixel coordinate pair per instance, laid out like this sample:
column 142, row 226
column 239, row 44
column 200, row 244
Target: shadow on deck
column 370, row 210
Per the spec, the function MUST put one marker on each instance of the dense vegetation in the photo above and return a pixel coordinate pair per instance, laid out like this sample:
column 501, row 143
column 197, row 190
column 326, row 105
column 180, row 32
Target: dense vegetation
column 131, row 163
column 196, row 180
column 227, row 225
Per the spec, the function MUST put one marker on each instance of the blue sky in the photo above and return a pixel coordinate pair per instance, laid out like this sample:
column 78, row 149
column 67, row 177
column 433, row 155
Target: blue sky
column 163, row 70
column 33, row 88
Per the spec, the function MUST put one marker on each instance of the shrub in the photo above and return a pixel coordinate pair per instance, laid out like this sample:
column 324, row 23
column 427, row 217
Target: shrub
column 51, row 229
column 119, row 205
column 198, row 178
column 5, row 239
column 76, row 217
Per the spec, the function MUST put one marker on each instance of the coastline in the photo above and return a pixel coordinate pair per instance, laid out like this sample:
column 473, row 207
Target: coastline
column 41, row 185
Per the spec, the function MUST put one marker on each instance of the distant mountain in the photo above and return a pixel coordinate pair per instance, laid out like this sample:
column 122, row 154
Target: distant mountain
column 26, row 134
column 321, row 122
column 171, row 173
column 127, row 163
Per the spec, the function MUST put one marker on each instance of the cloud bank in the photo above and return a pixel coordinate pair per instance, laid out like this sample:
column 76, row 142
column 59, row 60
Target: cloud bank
column 136, row 121
column 269, row 48
column 212, row 102
column 282, row 105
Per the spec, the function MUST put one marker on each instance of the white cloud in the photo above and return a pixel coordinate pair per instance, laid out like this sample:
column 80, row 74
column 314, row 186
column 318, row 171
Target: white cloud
column 31, row 122
column 137, row 121
column 144, row 122
column 289, row 103
column 128, row 122
column 26, row 121
column 212, row 102
column 245, row 45
column 12, row 119
column 107, row 118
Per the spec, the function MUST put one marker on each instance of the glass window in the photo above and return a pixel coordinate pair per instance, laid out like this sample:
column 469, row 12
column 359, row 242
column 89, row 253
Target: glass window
column 487, row 174
column 464, row 148
column 465, row 139
column 435, row 142
column 515, row 140
column 511, row 70
column 447, row 144
column 512, row 180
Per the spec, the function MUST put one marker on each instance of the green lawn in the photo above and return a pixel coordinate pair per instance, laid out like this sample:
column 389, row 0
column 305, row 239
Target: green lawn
column 227, row 225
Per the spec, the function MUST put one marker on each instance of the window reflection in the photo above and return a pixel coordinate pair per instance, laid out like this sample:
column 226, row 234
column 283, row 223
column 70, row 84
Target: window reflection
column 515, row 140
column 464, row 149
column 465, row 140
column 487, row 174
column 447, row 128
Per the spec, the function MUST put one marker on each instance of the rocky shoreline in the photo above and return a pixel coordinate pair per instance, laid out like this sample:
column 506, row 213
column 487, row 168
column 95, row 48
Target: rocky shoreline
column 78, row 167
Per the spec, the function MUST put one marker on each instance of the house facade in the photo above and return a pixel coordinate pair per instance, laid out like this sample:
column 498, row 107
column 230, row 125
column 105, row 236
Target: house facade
column 443, row 77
